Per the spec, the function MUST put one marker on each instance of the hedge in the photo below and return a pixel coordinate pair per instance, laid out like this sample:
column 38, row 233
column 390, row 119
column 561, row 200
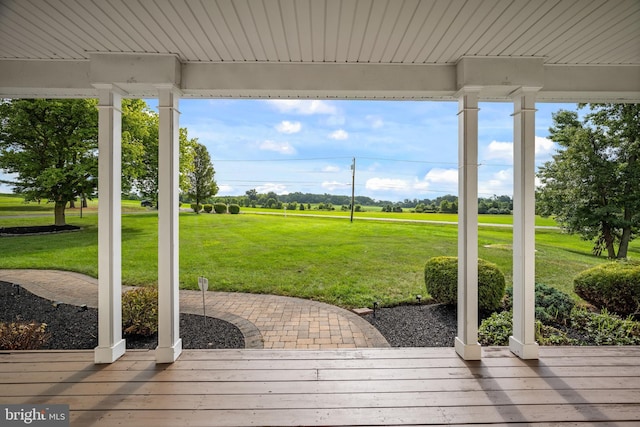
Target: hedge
column 614, row 286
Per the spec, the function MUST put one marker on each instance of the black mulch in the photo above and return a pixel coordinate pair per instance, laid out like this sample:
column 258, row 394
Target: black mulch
column 38, row 229
column 427, row 325
column 72, row 328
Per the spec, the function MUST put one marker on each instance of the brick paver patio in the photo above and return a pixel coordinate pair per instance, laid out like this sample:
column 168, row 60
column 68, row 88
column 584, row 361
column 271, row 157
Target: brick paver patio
column 266, row 321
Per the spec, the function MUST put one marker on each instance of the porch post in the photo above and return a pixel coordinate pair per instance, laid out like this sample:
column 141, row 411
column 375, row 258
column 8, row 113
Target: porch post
column 169, row 342
column 523, row 342
column 466, row 341
column 110, row 343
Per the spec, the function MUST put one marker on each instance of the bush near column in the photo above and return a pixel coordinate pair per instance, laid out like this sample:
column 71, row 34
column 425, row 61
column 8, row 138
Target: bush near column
column 552, row 305
column 441, row 279
column 614, row 286
column 220, row 208
column 140, row 311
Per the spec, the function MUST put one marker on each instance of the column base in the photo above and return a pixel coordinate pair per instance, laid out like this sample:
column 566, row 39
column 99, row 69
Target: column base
column 468, row 351
column 109, row 354
column 169, row 354
column 523, row 351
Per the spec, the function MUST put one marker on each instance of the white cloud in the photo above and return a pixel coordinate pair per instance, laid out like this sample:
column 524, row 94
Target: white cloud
column 278, row 147
column 499, row 183
column 442, row 176
column 544, row 146
column 334, row 185
column 386, row 184
column 276, row 188
column 339, row 135
column 289, row 127
column 504, row 150
column 500, row 150
column 304, row 107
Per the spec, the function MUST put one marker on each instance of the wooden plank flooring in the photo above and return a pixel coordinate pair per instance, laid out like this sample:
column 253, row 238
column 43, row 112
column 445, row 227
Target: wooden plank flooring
column 419, row 386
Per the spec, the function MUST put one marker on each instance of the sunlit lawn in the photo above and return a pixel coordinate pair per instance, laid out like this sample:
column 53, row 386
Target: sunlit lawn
column 331, row 260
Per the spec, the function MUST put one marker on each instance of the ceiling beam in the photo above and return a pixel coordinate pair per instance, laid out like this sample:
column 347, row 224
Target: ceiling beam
column 139, row 75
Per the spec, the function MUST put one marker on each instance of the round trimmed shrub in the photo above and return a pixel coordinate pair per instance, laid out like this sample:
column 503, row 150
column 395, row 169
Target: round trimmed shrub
column 196, row 208
column 220, row 208
column 208, row 208
column 441, row 279
column 234, row 209
column 614, row 286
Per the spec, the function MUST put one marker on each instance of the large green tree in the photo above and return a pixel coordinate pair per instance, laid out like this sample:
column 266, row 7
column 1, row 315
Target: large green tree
column 202, row 184
column 51, row 147
column 592, row 184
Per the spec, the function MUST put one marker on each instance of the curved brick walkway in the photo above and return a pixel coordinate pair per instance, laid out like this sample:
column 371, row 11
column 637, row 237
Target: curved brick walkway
column 266, row 321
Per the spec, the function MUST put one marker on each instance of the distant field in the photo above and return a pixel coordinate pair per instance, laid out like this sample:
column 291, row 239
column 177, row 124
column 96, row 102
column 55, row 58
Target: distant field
column 375, row 212
column 14, row 205
column 325, row 259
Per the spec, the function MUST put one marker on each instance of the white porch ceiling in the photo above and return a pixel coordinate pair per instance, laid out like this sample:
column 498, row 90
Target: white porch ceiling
column 576, row 40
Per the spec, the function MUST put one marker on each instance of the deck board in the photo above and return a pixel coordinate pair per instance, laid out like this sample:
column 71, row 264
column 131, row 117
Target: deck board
column 568, row 385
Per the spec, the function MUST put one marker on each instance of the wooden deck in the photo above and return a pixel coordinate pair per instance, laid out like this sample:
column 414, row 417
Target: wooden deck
column 568, row 385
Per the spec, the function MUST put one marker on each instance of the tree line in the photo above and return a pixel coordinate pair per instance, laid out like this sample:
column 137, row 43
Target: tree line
column 301, row 201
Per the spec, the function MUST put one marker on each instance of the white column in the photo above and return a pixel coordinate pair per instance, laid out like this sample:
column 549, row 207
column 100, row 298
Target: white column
column 523, row 342
column 169, row 342
column 110, row 343
column 466, row 342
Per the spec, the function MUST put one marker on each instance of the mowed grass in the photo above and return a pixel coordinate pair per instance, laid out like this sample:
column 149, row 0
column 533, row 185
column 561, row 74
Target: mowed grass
column 376, row 212
column 325, row 259
column 15, row 205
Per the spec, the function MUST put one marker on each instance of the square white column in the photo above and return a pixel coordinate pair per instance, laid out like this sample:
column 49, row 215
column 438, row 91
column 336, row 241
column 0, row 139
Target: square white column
column 110, row 343
column 466, row 342
column 523, row 342
column 169, row 342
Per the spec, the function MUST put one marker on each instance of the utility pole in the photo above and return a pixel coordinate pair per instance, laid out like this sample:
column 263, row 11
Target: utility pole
column 353, row 186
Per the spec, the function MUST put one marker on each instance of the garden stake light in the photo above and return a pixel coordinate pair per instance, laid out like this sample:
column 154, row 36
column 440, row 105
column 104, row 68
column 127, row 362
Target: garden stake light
column 375, row 307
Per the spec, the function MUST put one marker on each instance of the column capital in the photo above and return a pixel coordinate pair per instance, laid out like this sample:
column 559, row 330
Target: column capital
column 468, row 90
column 525, row 91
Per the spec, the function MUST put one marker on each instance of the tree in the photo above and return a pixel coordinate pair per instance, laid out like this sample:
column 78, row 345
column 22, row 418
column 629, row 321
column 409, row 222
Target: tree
column 51, row 145
column 591, row 185
column 202, row 184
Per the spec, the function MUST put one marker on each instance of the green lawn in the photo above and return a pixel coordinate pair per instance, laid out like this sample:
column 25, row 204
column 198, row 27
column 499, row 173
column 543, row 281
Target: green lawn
column 331, row 260
column 14, row 205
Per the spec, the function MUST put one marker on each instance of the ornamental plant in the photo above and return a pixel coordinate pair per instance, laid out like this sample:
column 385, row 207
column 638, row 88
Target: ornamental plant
column 441, row 279
column 140, row 311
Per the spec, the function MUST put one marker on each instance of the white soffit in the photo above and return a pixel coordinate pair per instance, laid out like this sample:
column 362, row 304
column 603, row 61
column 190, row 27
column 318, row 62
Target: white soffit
column 588, row 40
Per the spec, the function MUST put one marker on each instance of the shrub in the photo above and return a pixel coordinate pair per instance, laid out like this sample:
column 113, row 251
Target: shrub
column 23, row 336
column 497, row 328
column 614, row 286
column 235, row 209
column 220, row 208
column 605, row 329
column 140, row 311
column 441, row 279
column 208, row 208
column 552, row 305
column 196, row 208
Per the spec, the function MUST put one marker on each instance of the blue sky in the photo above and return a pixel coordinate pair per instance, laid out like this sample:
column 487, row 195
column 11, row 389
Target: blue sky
column 403, row 149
